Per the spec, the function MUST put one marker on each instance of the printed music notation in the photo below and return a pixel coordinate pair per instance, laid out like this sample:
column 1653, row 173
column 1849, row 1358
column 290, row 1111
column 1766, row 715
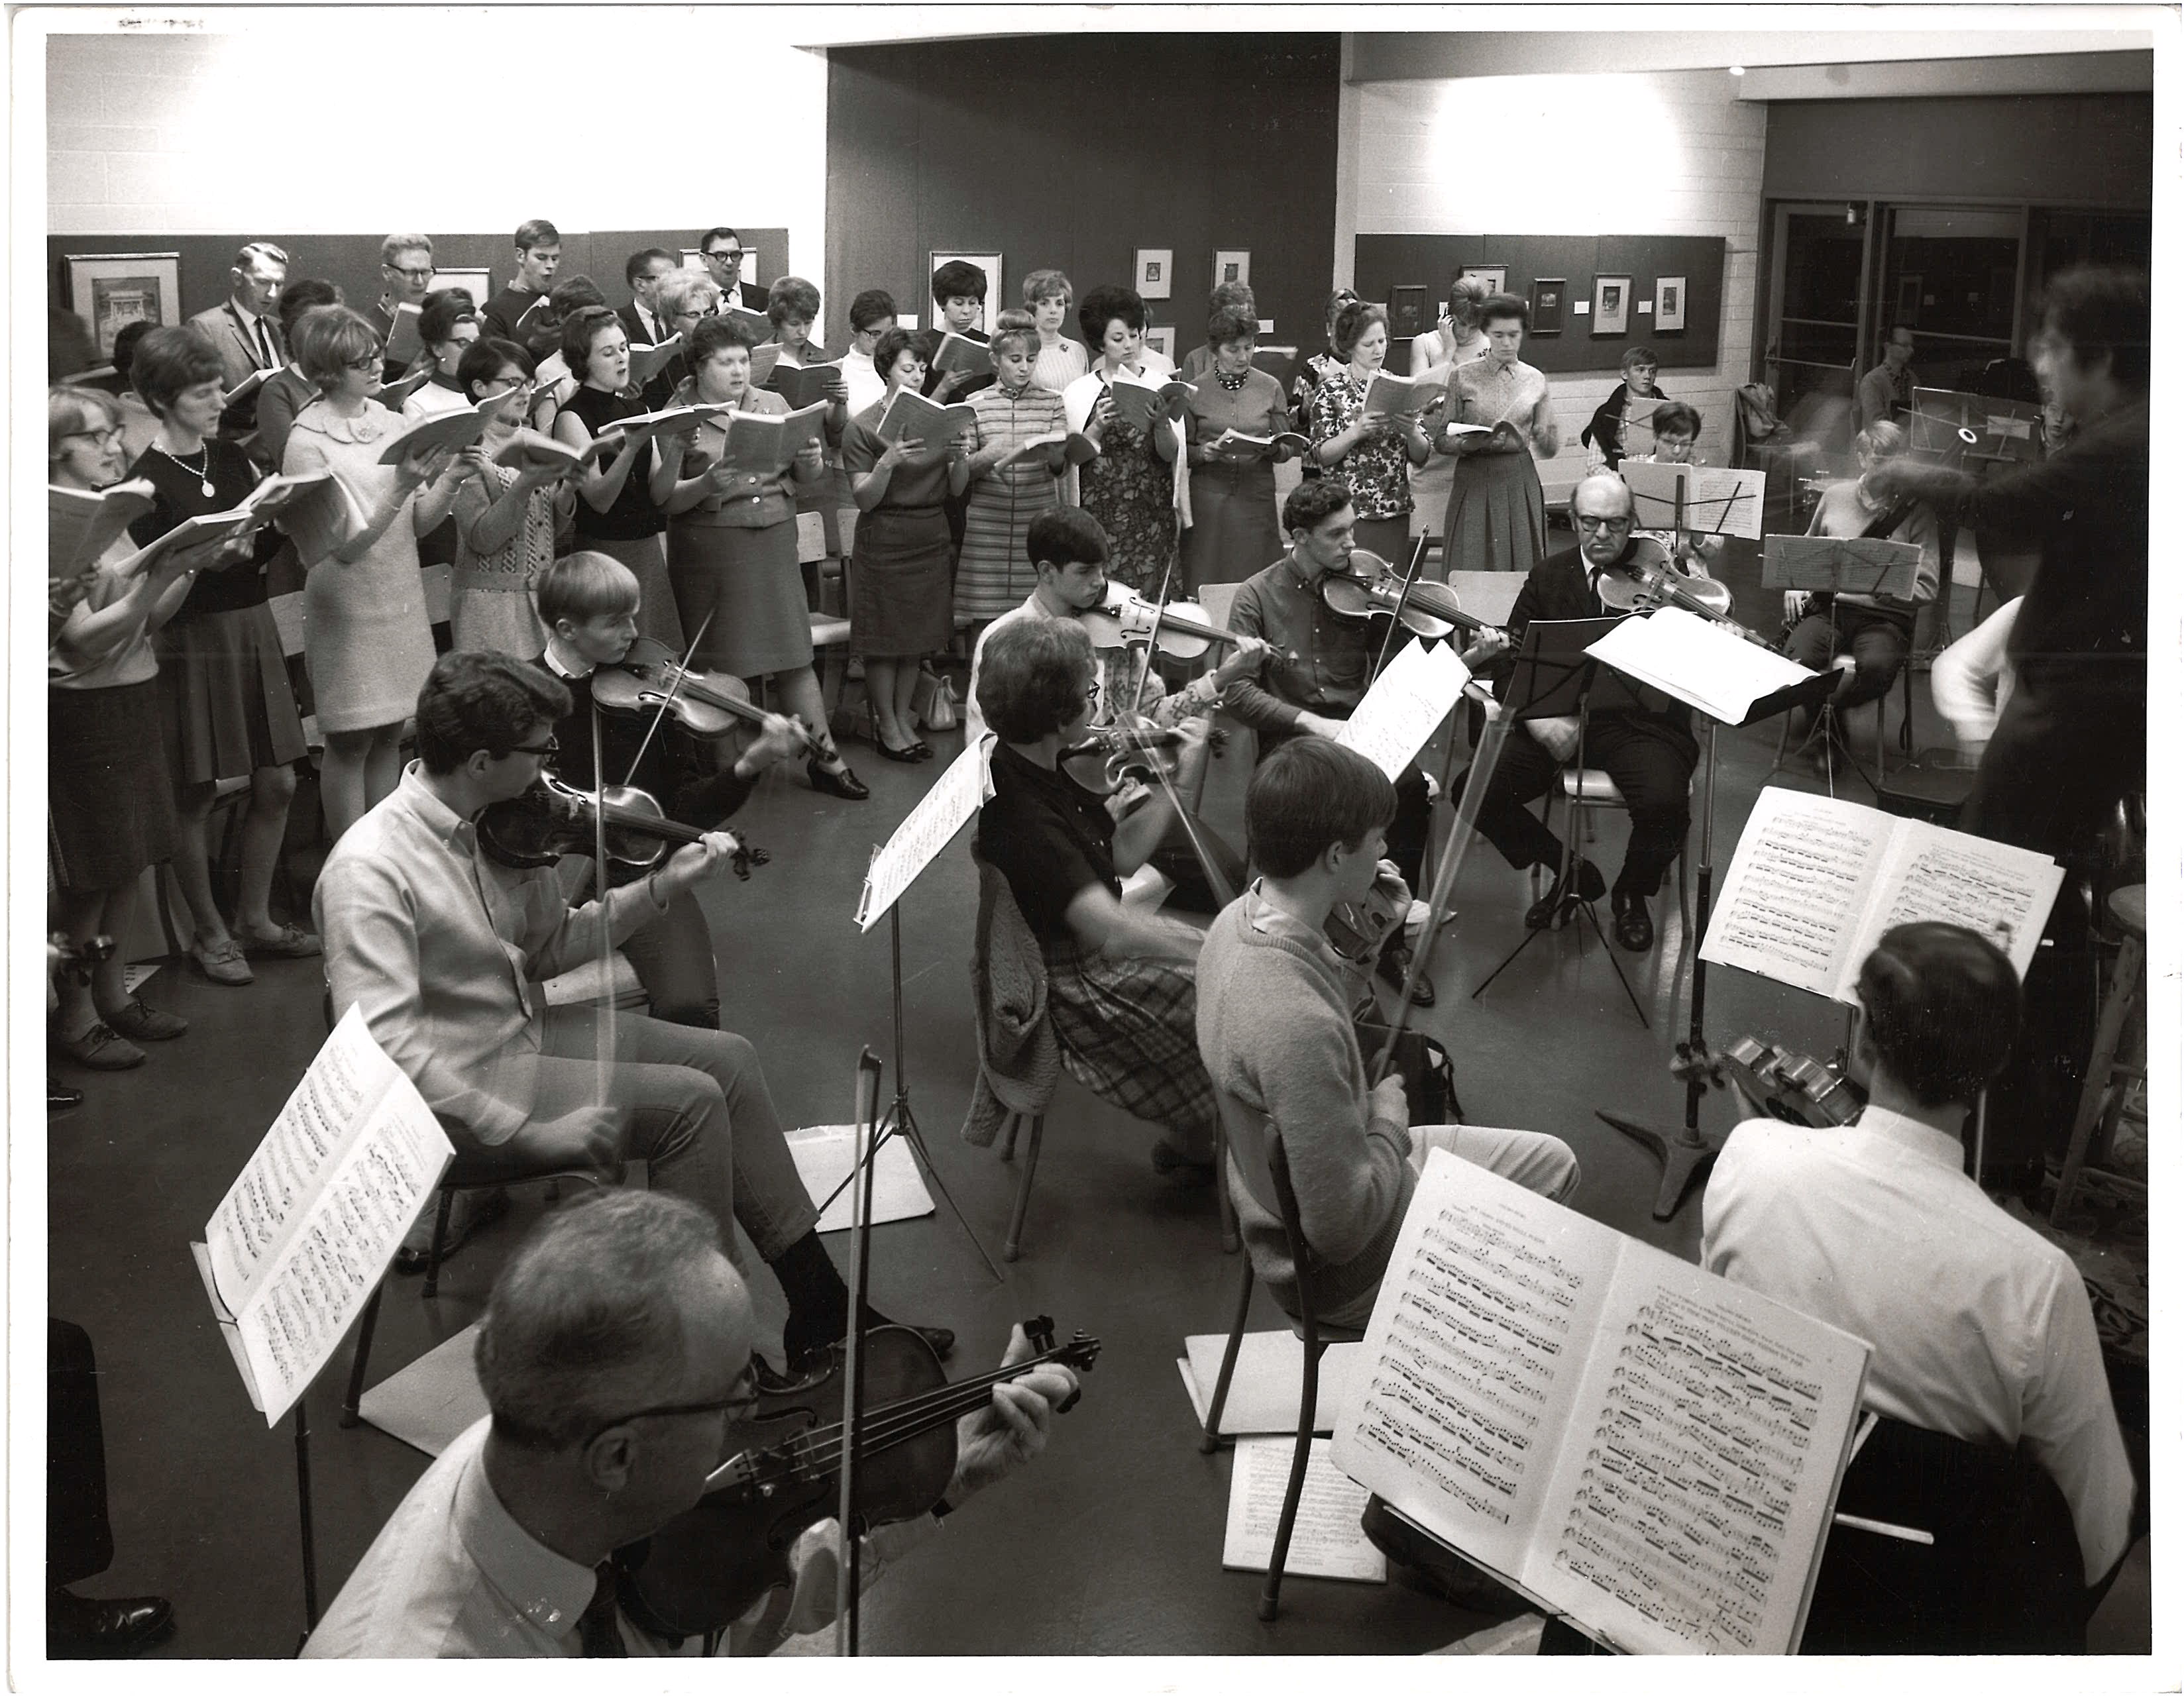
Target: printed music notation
column 1815, row 882
column 1635, row 1443
column 303, row 1235
column 1414, row 692
column 949, row 805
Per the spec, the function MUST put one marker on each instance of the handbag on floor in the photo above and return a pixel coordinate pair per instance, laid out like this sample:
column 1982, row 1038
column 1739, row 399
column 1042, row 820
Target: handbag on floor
column 1429, row 1079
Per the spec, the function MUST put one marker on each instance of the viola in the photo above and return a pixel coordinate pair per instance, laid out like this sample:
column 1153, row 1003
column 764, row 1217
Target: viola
column 1369, row 587
column 551, row 819
column 780, row 1469
column 1358, row 930
column 1180, row 628
column 1651, row 578
column 706, row 704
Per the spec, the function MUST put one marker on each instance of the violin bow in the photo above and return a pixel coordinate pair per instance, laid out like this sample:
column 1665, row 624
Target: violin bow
column 1206, row 864
column 667, row 700
column 603, row 1013
column 1396, row 618
column 863, row 1155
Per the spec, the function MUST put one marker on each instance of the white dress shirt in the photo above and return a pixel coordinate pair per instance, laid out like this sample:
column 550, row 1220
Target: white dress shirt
column 1981, row 1328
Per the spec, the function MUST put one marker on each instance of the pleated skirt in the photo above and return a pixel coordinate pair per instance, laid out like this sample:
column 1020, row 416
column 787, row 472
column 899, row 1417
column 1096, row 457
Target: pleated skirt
column 1497, row 518
column 225, row 704
column 108, row 796
column 646, row 556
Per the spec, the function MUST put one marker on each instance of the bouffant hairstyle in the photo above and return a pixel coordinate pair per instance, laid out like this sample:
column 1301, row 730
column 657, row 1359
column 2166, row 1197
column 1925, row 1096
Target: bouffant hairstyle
column 958, row 278
column 579, row 331
column 1045, row 286
column 792, row 297
column 1231, row 324
column 305, row 294
column 685, row 291
column 1496, row 306
column 710, row 335
column 1103, row 306
column 1033, row 676
column 1941, row 1009
column 443, row 314
column 891, row 347
column 1351, row 322
column 1308, row 795
column 1017, row 326
column 169, row 359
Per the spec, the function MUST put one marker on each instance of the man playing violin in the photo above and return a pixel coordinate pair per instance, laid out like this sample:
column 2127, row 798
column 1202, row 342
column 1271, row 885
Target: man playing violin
column 444, row 950
column 615, row 1359
column 1650, row 754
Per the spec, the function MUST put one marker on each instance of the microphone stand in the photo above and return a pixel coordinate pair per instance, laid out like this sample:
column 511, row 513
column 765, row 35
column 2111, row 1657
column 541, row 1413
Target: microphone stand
column 846, row 1586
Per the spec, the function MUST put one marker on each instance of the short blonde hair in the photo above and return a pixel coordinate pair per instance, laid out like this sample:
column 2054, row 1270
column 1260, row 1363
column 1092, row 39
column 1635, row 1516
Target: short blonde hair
column 70, row 410
column 329, row 340
column 585, row 585
column 1882, row 439
column 685, row 291
column 1045, row 286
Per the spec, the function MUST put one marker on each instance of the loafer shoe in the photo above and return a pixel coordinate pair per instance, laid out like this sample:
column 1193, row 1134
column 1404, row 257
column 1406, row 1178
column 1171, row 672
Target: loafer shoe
column 1634, row 924
column 1589, row 885
column 77, row 1626
column 145, row 1024
column 101, row 1048
column 841, row 783
column 906, row 756
column 289, row 942
column 223, row 963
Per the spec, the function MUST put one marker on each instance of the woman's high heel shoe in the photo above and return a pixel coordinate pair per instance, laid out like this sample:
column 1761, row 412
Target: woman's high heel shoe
column 841, row 782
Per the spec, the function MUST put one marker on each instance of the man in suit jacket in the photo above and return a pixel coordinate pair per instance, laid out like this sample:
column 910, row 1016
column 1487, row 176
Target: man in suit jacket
column 1650, row 754
column 406, row 271
column 645, row 272
column 245, row 331
column 722, row 251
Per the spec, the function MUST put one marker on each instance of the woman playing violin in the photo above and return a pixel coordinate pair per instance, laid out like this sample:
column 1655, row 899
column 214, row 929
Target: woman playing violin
column 589, row 602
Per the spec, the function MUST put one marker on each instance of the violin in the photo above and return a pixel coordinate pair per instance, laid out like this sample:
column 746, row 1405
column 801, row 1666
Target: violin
column 1786, row 1084
column 780, row 1472
column 706, row 704
column 1126, row 751
column 1369, row 587
column 1180, row 628
column 1648, row 579
column 1358, row 931
column 551, row 819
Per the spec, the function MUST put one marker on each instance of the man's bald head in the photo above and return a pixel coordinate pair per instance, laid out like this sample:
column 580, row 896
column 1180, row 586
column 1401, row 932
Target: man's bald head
column 1601, row 495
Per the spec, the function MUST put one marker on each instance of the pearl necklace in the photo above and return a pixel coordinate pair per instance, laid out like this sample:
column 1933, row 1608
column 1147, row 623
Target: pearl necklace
column 203, row 473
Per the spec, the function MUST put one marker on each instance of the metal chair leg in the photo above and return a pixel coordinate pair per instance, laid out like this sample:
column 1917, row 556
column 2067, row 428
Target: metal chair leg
column 439, row 1243
column 1024, row 1188
column 1209, row 1438
column 1224, row 1203
column 1270, row 1598
column 1008, row 1148
column 366, row 1323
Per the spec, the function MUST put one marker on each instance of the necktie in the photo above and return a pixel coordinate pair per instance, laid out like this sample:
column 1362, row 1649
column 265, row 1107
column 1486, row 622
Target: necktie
column 596, row 1628
column 265, row 359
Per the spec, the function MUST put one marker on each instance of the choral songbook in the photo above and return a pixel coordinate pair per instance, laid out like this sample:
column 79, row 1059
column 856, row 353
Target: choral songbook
column 1643, row 1448
column 458, row 427
column 303, row 1238
column 1137, row 403
column 766, row 443
column 1391, row 396
column 959, row 353
column 908, row 414
column 82, row 524
column 801, row 386
column 1815, row 882
column 648, row 359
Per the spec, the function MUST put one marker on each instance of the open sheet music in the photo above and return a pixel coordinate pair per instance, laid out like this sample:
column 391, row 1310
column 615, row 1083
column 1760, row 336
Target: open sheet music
column 1643, row 1446
column 81, row 525
column 1715, row 500
column 1414, row 691
column 1816, row 882
column 948, row 805
column 766, row 443
column 1698, row 662
column 303, row 1236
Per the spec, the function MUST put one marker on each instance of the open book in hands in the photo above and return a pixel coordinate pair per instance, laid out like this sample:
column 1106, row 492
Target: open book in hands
column 1237, row 445
column 458, row 428
column 908, row 414
column 1077, row 449
column 404, row 343
column 765, row 444
column 646, row 359
column 672, row 420
column 392, row 395
column 321, row 518
column 526, row 449
column 1137, row 404
column 1388, row 396
column 801, row 386
column 82, row 524
column 959, row 352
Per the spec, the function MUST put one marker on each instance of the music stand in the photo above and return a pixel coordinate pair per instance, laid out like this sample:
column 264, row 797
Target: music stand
column 1833, row 566
column 1555, row 677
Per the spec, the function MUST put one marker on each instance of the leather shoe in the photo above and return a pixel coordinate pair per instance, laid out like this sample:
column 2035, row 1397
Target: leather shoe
column 907, row 756
column 1589, row 884
column 60, row 1096
column 1395, row 961
column 77, row 1626
column 841, row 782
column 1634, row 924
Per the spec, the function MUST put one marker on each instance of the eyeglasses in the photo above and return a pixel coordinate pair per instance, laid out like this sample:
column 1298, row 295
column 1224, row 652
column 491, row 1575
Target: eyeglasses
column 105, row 437
column 725, row 256
column 545, row 750
column 1622, row 523
column 743, row 1397
column 1092, row 691
column 371, row 363
column 417, row 273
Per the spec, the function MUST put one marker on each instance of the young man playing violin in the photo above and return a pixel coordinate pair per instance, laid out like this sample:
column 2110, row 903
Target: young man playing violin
column 589, row 603
column 1650, row 754
column 615, row 1356
column 444, row 950
column 1321, row 665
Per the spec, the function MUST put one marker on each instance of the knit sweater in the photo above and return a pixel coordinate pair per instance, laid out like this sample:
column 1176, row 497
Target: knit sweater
column 1274, row 1029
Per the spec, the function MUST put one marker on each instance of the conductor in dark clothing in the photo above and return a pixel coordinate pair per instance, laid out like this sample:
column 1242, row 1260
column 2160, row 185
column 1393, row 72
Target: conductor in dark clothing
column 1649, row 753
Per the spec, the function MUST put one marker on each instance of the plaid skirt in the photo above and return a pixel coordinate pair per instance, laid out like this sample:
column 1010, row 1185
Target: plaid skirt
column 1130, row 1034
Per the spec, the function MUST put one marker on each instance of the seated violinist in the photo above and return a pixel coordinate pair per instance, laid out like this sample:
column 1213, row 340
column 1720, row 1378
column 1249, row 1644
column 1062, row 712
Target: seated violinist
column 423, row 924
column 1676, row 428
column 1649, row 753
column 615, row 1356
column 1121, row 980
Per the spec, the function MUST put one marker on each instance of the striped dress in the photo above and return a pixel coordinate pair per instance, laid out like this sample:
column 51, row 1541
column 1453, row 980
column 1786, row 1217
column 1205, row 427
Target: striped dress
column 993, row 572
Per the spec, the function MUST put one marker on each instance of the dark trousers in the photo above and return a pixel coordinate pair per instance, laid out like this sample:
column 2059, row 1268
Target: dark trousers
column 1877, row 641
column 79, row 1541
column 1653, row 772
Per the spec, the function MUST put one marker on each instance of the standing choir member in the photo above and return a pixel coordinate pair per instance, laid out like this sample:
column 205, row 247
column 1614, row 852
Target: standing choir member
column 1372, row 454
column 1224, row 297
column 1315, row 368
column 993, row 572
column 958, row 295
column 899, row 568
column 1133, row 487
column 504, row 515
column 287, row 392
column 683, row 297
column 1048, row 297
column 537, row 258
column 367, row 638
column 732, row 550
column 228, row 710
column 406, row 271
column 1498, row 517
column 618, row 498
column 449, row 328
column 1234, row 530
column 1456, row 340
column 871, row 315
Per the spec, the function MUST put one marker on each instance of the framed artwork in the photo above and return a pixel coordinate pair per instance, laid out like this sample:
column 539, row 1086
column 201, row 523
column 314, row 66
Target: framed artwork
column 477, row 280
column 1230, row 265
column 1153, row 272
column 1668, row 294
column 1161, row 338
column 1610, row 306
column 1549, row 302
column 109, row 290
column 1410, row 310
column 990, row 263
column 1496, row 277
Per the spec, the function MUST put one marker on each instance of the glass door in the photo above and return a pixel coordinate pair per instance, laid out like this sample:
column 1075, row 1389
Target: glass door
column 1951, row 274
column 1815, row 296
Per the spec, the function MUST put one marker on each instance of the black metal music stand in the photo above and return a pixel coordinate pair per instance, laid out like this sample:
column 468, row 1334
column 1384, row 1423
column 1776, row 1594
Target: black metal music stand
column 1555, row 677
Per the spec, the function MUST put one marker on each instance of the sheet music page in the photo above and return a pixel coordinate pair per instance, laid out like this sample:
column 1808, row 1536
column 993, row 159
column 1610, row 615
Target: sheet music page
column 1698, row 1479
column 948, row 805
column 2002, row 892
column 1653, row 493
column 1473, row 1357
column 1692, row 660
column 1795, row 898
column 1416, row 691
column 312, row 1292
column 1725, row 502
column 1328, row 1541
column 320, row 1122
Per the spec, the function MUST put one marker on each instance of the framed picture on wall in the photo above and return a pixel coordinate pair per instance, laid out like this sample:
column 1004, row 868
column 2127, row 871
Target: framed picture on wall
column 1410, row 307
column 109, row 290
column 1161, row 338
column 1231, row 265
column 1668, row 294
column 478, row 280
column 1610, row 306
column 990, row 263
column 1153, row 272
column 1496, row 277
column 1549, row 296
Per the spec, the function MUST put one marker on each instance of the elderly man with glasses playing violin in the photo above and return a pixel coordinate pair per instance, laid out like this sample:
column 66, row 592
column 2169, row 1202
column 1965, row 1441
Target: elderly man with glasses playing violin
column 1650, row 754
column 615, row 1359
